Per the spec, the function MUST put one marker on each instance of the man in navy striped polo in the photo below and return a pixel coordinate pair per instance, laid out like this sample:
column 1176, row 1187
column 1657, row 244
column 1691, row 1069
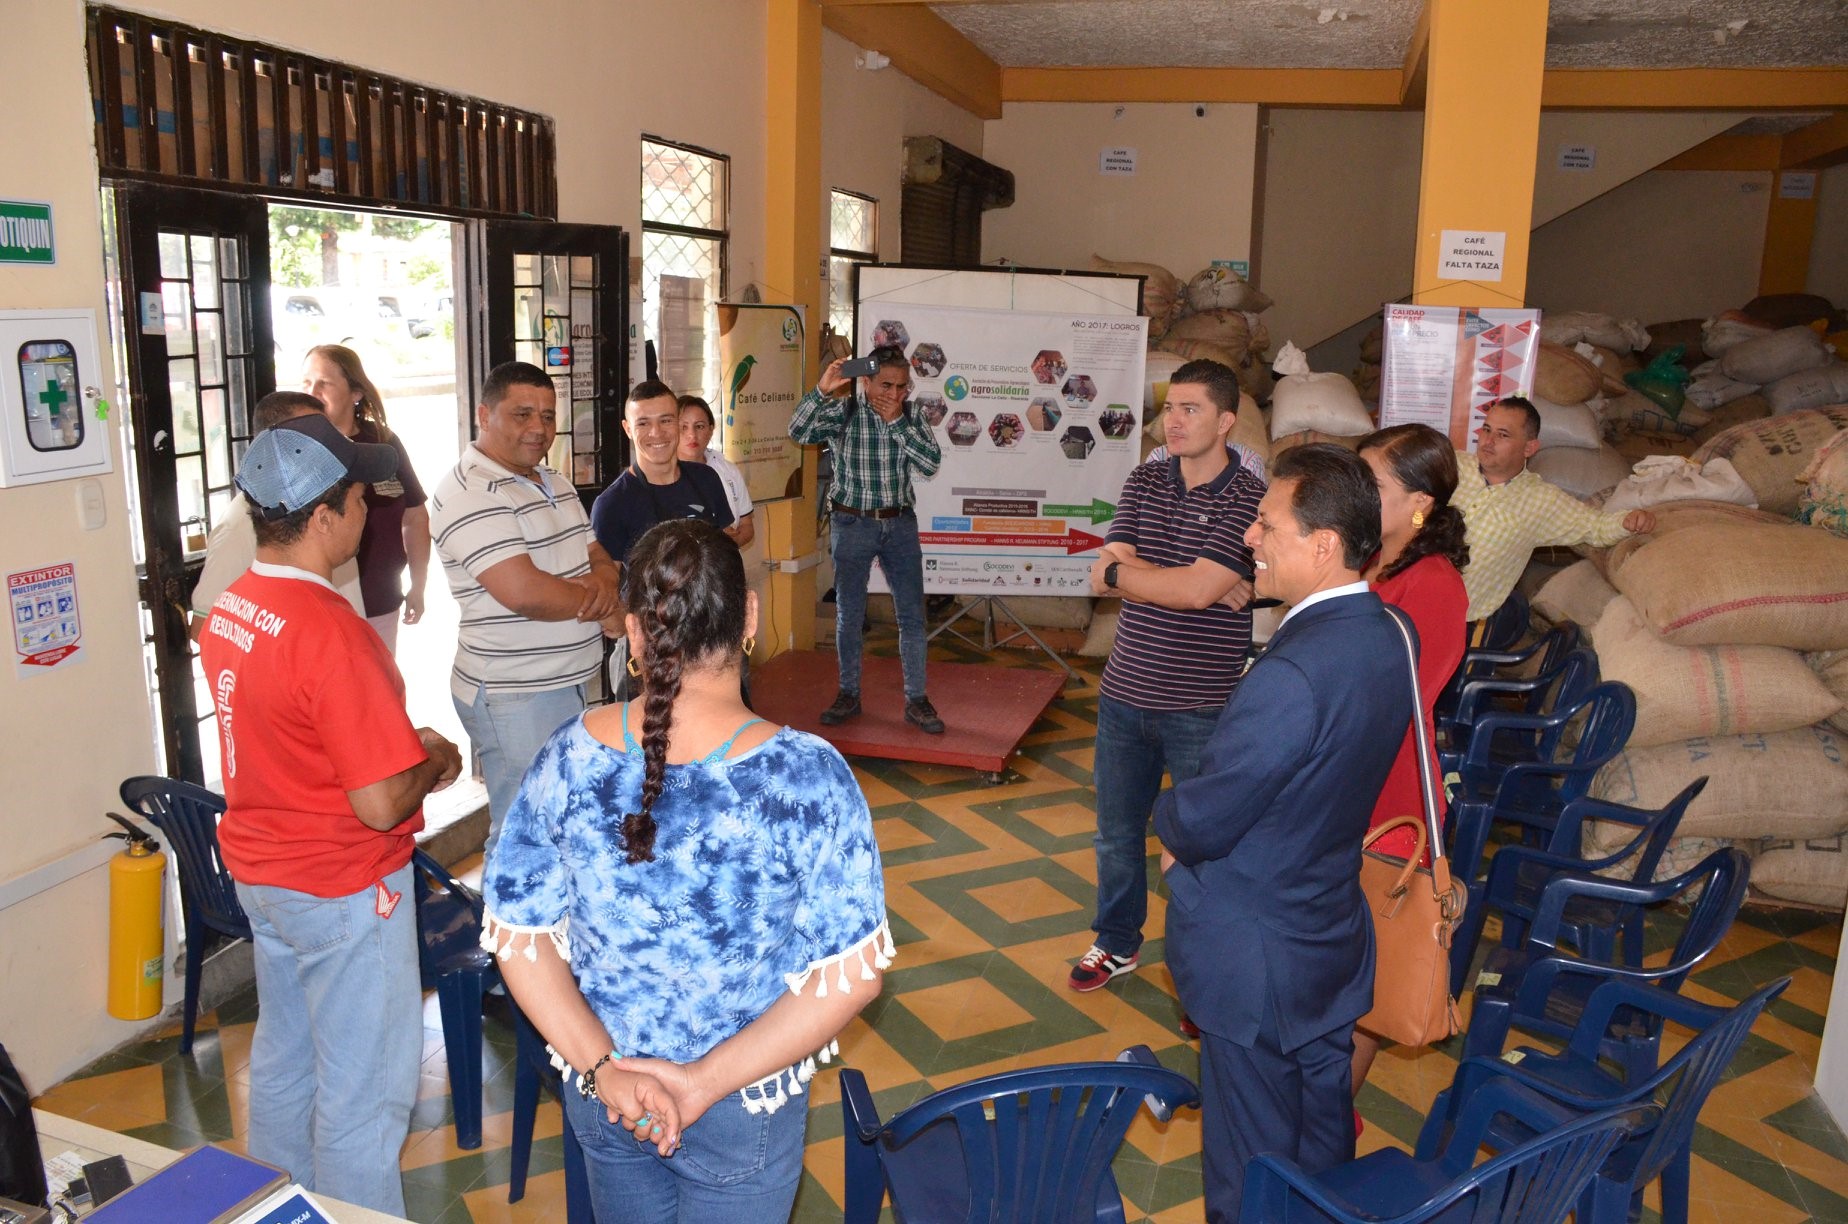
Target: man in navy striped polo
column 1176, row 555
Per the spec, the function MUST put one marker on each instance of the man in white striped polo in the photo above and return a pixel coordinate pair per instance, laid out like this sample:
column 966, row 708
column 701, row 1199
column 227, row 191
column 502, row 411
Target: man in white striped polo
column 1176, row 555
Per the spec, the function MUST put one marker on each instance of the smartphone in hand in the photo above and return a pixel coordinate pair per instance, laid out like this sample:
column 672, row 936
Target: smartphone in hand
column 859, row 367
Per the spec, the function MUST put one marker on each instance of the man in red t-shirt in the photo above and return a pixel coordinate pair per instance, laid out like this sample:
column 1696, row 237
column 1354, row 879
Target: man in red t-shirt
column 324, row 783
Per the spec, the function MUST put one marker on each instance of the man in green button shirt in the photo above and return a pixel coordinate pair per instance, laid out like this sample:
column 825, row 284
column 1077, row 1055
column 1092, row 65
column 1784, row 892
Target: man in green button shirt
column 880, row 445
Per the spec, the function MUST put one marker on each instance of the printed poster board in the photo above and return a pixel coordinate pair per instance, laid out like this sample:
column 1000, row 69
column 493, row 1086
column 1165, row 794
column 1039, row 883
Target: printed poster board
column 762, row 378
column 1039, row 418
column 1444, row 365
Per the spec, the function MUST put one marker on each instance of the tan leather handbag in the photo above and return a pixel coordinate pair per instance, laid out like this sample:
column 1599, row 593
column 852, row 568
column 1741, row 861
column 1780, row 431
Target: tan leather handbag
column 1415, row 909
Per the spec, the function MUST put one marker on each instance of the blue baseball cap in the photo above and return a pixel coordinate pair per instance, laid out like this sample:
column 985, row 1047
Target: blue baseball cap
column 291, row 465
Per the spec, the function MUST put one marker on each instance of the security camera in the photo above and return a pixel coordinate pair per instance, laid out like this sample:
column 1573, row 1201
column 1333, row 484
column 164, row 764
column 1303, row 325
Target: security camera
column 1200, row 110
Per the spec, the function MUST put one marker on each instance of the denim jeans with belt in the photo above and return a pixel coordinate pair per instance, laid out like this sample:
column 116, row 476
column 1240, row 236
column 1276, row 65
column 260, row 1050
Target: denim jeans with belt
column 859, row 540
column 733, row 1166
column 334, row 1062
column 1133, row 747
column 508, row 730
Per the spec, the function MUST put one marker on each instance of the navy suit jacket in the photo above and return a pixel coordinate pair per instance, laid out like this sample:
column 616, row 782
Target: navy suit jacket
column 1265, row 908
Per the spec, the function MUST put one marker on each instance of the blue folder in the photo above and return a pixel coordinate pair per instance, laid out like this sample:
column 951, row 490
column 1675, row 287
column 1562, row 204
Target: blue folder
column 206, row 1186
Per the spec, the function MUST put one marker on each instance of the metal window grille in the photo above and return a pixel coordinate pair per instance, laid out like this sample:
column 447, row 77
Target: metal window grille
column 686, row 210
column 178, row 104
column 853, row 238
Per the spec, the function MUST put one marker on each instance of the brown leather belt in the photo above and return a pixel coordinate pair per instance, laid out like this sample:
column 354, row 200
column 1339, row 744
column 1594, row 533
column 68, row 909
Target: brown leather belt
column 883, row 512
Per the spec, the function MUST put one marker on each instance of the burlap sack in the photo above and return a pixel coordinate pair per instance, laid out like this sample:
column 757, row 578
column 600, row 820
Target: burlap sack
column 1582, row 473
column 1223, row 289
column 1324, row 403
column 1812, row 871
column 1568, row 327
column 1824, row 501
column 1832, row 666
column 1681, row 516
column 1611, row 366
column 1250, row 429
column 1791, row 310
column 1568, row 425
column 1818, row 387
column 1787, row 784
column 1194, row 350
column 1603, row 838
column 1100, row 635
column 1306, row 436
column 1227, row 328
column 1717, row 335
column 1255, row 379
column 1577, row 593
column 1684, row 334
column 1683, row 692
column 1161, row 290
column 1733, row 412
column 1765, row 359
column 1157, row 367
column 1563, row 376
column 1373, row 345
column 1740, row 584
column 1772, row 453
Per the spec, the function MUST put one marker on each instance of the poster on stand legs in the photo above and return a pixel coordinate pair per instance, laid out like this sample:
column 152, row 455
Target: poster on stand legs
column 762, row 379
column 1039, row 417
column 1444, row 365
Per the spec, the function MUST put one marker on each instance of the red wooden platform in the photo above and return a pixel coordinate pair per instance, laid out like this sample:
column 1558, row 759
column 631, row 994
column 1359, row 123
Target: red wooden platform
column 986, row 710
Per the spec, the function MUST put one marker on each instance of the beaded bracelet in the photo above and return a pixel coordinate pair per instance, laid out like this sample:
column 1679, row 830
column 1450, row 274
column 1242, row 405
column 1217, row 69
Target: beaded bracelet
column 587, row 1080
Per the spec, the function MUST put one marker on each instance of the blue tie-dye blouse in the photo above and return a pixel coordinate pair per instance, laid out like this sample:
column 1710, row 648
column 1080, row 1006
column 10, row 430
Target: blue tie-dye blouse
column 765, row 873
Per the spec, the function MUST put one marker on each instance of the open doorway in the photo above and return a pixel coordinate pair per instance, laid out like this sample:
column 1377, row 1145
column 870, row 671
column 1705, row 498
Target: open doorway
column 383, row 285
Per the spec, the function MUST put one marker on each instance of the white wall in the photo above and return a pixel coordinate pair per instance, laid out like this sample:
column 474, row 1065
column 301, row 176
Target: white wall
column 597, row 69
column 1671, row 244
column 1828, row 268
column 1189, row 202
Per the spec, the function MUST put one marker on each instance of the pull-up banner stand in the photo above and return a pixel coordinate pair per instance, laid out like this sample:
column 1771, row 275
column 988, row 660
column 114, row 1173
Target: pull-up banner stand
column 1033, row 385
column 1444, row 365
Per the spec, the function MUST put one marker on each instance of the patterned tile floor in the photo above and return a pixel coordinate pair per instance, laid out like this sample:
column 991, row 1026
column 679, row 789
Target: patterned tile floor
column 990, row 891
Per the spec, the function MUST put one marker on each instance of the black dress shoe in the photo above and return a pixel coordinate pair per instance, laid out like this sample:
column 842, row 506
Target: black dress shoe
column 922, row 715
column 846, row 705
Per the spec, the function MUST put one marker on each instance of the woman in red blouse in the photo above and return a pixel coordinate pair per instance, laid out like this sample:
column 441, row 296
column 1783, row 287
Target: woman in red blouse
column 1422, row 553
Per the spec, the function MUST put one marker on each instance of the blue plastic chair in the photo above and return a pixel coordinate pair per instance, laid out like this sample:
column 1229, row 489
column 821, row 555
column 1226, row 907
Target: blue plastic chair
column 533, row 1072
column 1499, row 632
column 1589, row 926
column 187, row 816
column 1562, row 684
column 452, row 962
column 1027, row 1147
column 1535, row 1182
column 1534, row 793
column 1543, row 989
column 1575, row 1078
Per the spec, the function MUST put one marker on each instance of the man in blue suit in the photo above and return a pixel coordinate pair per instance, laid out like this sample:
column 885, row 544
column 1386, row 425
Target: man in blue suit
column 1269, row 938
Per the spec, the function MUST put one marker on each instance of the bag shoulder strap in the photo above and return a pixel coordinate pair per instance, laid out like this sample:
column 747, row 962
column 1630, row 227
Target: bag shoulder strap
column 1421, row 738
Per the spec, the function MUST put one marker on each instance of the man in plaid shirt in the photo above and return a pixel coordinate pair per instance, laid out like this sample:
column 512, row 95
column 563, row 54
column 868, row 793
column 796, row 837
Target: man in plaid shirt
column 879, row 446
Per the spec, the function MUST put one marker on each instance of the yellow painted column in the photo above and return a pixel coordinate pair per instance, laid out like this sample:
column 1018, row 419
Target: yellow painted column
column 793, row 194
column 1790, row 228
column 1481, row 139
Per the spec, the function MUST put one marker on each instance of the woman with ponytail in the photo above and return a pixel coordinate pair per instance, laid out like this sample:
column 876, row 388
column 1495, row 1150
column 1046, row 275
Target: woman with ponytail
column 685, row 897
column 1419, row 570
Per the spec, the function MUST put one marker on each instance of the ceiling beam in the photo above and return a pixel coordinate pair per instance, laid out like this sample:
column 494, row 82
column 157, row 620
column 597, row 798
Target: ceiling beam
column 828, row 4
column 1694, row 88
column 1350, row 87
column 1417, row 60
column 1822, row 144
column 1728, row 152
column 925, row 48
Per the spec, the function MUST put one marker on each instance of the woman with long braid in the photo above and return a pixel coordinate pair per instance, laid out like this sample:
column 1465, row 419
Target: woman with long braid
column 686, row 893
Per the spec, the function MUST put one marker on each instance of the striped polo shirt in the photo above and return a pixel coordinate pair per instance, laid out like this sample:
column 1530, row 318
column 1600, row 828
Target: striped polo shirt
column 483, row 514
column 1182, row 659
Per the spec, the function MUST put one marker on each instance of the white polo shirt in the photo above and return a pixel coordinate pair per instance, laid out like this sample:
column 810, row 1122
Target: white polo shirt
column 483, row 514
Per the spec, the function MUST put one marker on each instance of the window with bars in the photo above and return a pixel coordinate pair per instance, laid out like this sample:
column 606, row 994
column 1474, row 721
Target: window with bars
column 853, row 238
column 686, row 205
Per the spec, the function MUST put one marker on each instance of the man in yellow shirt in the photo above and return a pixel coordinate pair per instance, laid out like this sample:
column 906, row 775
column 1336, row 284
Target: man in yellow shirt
column 1509, row 511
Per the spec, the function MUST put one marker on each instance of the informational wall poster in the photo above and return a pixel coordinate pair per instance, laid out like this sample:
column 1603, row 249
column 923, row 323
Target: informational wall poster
column 47, row 632
column 1444, row 365
column 762, row 378
column 1039, row 418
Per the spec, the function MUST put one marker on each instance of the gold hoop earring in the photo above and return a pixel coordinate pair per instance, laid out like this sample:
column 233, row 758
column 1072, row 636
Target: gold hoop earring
column 1418, row 518
column 750, row 646
column 633, row 669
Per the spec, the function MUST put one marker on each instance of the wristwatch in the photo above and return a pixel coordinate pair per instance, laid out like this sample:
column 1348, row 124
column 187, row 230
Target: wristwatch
column 1110, row 574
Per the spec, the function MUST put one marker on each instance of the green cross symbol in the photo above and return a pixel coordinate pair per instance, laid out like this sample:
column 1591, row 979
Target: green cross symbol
column 53, row 397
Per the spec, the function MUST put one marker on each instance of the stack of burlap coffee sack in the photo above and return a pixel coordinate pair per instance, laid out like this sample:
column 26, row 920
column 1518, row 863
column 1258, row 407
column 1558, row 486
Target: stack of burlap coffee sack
column 1731, row 626
column 1213, row 315
column 1578, row 377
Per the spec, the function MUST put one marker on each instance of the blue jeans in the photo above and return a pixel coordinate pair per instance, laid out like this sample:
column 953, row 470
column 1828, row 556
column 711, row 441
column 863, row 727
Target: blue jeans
column 857, row 542
column 733, row 1167
column 334, row 1062
column 1133, row 747
column 508, row 730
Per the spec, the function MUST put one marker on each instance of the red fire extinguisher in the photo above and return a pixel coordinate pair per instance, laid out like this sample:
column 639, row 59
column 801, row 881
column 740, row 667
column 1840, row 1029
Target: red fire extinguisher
column 137, row 940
